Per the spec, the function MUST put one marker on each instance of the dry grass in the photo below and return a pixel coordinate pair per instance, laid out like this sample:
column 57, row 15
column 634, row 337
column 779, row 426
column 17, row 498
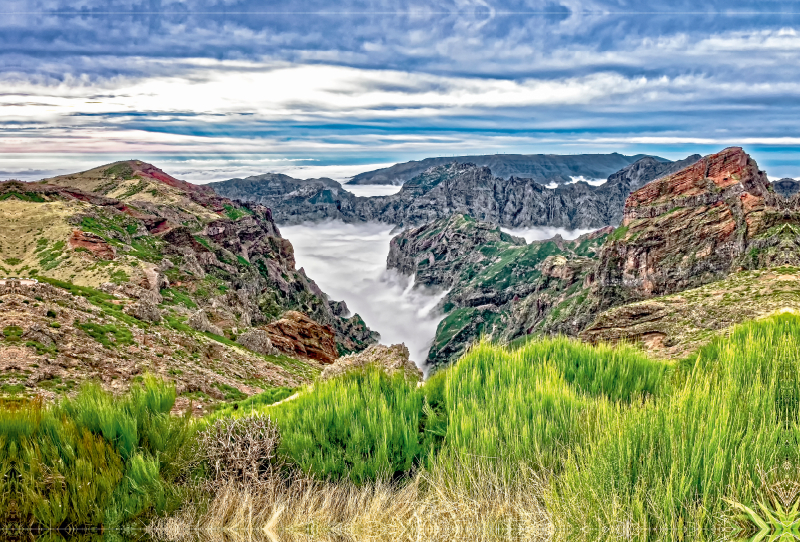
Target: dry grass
column 476, row 503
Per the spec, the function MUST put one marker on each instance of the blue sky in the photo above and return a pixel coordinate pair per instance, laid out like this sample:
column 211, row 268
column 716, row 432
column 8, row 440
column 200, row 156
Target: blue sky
column 212, row 89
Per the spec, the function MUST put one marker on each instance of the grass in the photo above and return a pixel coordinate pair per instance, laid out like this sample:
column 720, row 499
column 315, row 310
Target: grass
column 508, row 442
column 109, row 335
column 91, row 460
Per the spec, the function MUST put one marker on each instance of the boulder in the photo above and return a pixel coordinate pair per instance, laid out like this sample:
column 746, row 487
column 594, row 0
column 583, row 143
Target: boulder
column 199, row 321
column 297, row 335
column 93, row 243
column 258, row 341
column 144, row 309
column 389, row 358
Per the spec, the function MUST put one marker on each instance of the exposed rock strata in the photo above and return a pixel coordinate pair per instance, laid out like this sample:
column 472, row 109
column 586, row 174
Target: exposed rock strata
column 200, row 249
column 488, row 274
column 695, row 227
column 52, row 342
column 542, row 168
column 297, row 335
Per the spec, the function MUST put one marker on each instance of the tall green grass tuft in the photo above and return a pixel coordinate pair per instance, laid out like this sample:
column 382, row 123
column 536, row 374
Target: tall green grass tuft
column 534, row 404
column 91, row 460
column 362, row 426
column 674, row 460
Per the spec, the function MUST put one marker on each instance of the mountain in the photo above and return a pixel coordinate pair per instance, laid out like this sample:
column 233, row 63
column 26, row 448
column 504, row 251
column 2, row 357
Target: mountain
column 786, row 187
column 715, row 224
column 542, row 168
column 445, row 190
column 136, row 249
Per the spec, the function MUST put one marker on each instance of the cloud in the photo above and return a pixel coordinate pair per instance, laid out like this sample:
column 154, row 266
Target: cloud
column 348, row 261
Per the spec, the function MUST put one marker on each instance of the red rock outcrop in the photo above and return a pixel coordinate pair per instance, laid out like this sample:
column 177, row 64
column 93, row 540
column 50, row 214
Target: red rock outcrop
column 298, row 335
column 690, row 228
column 93, row 243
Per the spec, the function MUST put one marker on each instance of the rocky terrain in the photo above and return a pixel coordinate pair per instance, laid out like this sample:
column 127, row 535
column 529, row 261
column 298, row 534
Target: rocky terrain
column 56, row 336
column 489, row 273
column 542, row 168
column 698, row 226
column 454, row 188
column 173, row 255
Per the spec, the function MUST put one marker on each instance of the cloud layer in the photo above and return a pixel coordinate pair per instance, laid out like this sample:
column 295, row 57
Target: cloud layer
column 212, row 89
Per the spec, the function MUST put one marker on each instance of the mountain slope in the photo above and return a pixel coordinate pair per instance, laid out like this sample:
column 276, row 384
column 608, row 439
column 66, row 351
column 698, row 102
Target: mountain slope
column 701, row 225
column 542, row 168
column 172, row 255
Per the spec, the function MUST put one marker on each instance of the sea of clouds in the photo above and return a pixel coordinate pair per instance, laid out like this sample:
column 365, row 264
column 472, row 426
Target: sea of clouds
column 348, row 261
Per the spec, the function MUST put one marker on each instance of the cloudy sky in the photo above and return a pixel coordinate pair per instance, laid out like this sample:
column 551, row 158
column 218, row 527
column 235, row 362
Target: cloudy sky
column 212, row 89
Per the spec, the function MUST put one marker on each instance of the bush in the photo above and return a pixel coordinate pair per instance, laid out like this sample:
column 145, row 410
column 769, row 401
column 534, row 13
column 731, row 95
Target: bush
column 532, row 403
column 241, row 451
column 730, row 421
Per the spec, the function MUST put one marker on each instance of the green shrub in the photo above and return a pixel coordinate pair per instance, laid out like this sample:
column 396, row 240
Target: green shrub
column 92, row 460
column 730, row 417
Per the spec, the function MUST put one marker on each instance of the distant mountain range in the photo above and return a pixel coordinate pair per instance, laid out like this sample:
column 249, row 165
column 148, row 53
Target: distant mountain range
column 542, row 168
column 458, row 188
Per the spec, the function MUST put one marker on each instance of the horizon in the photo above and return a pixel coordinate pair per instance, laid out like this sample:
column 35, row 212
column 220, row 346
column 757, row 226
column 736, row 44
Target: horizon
column 212, row 91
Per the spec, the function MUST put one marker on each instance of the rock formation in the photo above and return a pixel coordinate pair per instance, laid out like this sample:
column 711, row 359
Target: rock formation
column 297, row 335
column 388, row 358
column 542, row 168
column 706, row 223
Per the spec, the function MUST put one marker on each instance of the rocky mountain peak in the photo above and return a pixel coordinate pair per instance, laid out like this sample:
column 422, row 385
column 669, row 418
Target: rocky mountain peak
column 706, row 179
column 697, row 225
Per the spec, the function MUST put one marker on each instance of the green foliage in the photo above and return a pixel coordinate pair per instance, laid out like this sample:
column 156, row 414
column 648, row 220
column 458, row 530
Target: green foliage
column 235, row 213
column 120, row 277
column 109, row 335
column 12, row 333
column 120, row 170
column 731, row 414
column 532, row 403
column 92, row 460
column 97, row 298
column 13, row 261
column 255, row 402
column 618, row 234
column 361, row 426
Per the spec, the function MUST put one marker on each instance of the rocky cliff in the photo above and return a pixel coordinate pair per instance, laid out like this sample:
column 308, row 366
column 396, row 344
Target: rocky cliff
column 488, row 274
column 698, row 225
column 454, row 188
column 706, row 223
column 173, row 254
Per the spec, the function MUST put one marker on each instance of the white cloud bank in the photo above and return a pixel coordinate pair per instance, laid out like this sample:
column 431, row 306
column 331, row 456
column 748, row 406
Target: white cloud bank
column 348, row 261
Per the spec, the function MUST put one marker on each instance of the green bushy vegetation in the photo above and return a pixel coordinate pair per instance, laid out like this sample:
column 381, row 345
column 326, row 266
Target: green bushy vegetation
column 616, row 438
column 362, row 426
column 93, row 459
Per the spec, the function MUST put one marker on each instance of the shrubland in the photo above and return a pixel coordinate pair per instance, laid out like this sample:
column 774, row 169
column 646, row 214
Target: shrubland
column 552, row 433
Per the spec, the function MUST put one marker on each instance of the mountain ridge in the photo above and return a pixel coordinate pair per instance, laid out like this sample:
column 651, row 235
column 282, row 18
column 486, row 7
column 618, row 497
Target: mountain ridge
column 453, row 188
column 151, row 252
column 543, row 168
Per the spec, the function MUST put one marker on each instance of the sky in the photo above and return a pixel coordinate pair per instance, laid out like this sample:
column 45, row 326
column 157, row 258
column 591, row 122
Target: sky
column 213, row 89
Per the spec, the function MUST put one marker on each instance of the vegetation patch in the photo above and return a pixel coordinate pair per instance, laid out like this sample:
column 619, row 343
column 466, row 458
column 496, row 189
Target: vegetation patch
column 109, row 335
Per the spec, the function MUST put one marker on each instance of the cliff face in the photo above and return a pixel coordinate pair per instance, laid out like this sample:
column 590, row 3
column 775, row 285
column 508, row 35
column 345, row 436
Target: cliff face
column 698, row 225
column 681, row 234
column 542, row 168
column 454, row 188
column 488, row 274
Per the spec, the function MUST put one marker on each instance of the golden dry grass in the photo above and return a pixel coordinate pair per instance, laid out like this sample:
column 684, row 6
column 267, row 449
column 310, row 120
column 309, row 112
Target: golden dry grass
column 476, row 503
